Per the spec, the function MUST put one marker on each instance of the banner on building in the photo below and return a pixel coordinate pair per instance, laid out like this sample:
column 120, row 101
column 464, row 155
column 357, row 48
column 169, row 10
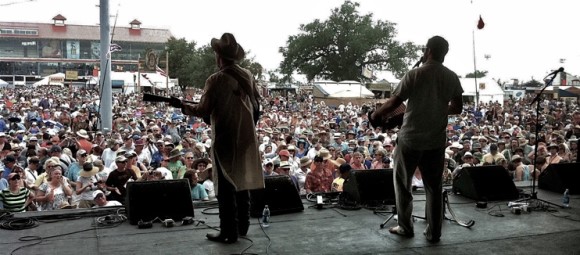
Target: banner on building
column 72, row 50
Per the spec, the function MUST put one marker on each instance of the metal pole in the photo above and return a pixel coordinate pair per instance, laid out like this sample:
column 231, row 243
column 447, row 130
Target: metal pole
column 106, row 107
column 475, row 72
column 167, row 71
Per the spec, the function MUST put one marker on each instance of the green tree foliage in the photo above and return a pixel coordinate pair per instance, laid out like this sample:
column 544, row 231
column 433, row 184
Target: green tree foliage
column 181, row 55
column 192, row 65
column 477, row 74
column 532, row 83
column 339, row 47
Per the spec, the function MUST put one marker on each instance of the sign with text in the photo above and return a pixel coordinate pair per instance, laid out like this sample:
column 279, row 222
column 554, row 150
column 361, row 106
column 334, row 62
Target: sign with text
column 55, row 79
column 72, row 75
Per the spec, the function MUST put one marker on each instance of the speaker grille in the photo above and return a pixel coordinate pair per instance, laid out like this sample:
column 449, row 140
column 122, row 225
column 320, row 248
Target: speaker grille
column 559, row 177
column 370, row 187
column 164, row 199
column 485, row 183
column 279, row 194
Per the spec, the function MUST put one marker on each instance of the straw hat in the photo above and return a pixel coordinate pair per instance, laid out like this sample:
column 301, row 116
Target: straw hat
column 516, row 157
column 175, row 153
column 83, row 133
column 305, row 161
column 339, row 161
column 324, row 154
column 88, row 170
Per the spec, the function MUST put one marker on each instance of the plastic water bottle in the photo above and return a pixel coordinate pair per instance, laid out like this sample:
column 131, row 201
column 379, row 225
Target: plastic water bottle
column 566, row 198
column 266, row 217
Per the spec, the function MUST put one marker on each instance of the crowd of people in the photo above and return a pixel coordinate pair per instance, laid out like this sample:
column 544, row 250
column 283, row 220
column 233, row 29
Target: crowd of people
column 54, row 156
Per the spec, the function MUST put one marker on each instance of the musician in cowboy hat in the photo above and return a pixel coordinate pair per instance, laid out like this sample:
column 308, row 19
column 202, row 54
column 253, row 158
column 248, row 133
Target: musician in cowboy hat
column 230, row 97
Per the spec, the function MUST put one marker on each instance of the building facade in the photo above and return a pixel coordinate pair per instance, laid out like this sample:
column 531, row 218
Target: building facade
column 29, row 51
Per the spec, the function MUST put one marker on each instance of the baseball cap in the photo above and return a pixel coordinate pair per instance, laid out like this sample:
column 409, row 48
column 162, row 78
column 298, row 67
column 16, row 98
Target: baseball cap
column 97, row 193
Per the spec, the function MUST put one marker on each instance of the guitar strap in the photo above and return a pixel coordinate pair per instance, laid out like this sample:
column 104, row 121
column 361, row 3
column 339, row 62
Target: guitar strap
column 247, row 88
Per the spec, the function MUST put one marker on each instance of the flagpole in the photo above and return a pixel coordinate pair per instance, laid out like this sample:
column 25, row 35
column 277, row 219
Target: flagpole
column 475, row 71
column 139, row 74
column 167, row 71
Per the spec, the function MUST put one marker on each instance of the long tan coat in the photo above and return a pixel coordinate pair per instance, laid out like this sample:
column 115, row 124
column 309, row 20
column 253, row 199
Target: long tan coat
column 234, row 142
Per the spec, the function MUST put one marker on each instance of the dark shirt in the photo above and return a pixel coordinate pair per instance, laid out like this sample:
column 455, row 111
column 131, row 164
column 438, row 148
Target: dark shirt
column 118, row 180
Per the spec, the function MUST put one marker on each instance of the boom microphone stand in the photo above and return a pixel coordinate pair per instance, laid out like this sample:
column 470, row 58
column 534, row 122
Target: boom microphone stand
column 537, row 100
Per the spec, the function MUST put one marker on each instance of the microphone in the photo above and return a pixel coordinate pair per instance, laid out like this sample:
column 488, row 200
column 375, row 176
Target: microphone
column 561, row 69
column 421, row 61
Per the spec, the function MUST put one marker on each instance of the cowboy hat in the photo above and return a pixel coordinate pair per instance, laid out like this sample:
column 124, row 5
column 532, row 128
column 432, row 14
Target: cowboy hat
column 516, row 157
column 175, row 153
column 324, row 154
column 305, row 161
column 200, row 147
column 338, row 162
column 200, row 160
column 227, row 47
column 83, row 133
column 65, row 205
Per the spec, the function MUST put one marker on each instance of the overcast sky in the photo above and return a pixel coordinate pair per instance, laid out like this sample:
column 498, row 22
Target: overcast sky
column 524, row 39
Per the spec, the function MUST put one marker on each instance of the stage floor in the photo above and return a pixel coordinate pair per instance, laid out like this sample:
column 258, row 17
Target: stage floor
column 320, row 231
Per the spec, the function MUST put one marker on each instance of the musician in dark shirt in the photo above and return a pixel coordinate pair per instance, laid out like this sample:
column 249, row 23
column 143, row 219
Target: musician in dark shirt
column 433, row 92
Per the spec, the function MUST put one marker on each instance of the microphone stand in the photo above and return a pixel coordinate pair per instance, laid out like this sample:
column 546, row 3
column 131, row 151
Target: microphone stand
column 537, row 100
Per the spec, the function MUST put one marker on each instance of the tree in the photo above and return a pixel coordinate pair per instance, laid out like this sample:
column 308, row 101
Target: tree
column 477, row 74
column 193, row 65
column 181, row 55
column 273, row 76
column 532, row 83
column 205, row 65
column 339, row 47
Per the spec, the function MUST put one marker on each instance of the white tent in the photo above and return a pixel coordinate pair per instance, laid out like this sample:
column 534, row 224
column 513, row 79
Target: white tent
column 488, row 89
column 4, row 84
column 131, row 80
column 343, row 89
column 56, row 79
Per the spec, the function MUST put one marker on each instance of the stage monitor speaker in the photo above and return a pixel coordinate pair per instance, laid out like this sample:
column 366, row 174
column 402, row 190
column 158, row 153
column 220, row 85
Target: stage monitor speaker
column 165, row 199
column 367, row 187
column 279, row 194
column 559, row 177
column 485, row 183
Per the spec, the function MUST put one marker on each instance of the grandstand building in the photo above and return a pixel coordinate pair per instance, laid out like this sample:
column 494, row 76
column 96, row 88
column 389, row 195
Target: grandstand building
column 29, row 51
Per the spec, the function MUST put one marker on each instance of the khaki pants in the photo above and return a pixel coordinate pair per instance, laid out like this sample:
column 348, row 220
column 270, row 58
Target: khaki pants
column 86, row 204
column 431, row 164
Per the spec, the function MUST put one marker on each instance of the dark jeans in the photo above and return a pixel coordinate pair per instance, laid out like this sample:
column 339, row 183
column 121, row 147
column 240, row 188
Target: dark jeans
column 234, row 207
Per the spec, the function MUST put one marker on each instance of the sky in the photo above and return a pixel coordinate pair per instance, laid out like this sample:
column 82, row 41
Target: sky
column 523, row 39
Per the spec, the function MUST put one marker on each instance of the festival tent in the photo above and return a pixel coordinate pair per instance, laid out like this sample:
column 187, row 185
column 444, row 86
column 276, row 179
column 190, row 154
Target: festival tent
column 488, row 89
column 4, row 84
column 128, row 81
column 56, row 79
column 343, row 89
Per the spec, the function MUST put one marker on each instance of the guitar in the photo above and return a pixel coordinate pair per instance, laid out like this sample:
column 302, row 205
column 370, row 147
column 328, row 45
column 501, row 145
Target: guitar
column 156, row 99
column 391, row 120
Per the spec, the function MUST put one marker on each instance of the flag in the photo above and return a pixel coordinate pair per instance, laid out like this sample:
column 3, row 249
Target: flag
column 115, row 47
column 480, row 23
column 160, row 71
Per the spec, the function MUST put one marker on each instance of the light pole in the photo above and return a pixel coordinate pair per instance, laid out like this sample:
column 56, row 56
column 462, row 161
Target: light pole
column 167, row 69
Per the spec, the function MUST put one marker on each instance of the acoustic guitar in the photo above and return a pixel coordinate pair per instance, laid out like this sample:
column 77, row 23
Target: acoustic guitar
column 391, row 120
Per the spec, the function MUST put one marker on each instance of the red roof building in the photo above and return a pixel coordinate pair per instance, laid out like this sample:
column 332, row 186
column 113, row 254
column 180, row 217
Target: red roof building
column 47, row 48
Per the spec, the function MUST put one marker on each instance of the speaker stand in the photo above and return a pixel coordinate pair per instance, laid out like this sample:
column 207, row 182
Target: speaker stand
column 446, row 206
column 534, row 197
